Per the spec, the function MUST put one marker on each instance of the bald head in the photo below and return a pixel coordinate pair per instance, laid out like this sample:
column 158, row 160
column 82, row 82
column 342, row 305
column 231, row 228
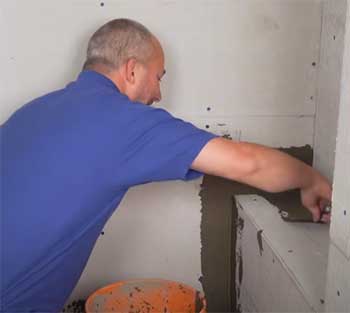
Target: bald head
column 119, row 40
column 130, row 56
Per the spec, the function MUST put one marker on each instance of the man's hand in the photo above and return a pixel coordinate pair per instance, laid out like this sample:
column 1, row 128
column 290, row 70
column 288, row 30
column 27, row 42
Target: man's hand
column 316, row 197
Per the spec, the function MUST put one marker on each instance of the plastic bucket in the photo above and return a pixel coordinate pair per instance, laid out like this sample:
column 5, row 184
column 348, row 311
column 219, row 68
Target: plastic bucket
column 146, row 296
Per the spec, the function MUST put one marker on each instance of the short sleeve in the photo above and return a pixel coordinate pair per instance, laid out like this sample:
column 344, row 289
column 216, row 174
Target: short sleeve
column 162, row 147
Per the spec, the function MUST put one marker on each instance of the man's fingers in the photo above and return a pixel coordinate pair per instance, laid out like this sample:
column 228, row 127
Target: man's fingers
column 316, row 213
column 318, row 204
column 324, row 204
column 326, row 218
column 325, row 207
column 318, row 216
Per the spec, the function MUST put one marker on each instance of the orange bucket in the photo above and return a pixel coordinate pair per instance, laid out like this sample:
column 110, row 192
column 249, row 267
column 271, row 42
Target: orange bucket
column 146, row 296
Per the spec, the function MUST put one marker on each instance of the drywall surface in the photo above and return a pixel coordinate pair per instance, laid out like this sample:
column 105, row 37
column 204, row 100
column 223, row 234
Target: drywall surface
column 328, row 97
column 255, row 58
column 153, row 234
column 243, row 68
column 340, row 230
column 282, row 265
column 338, row 284
column 275, row 131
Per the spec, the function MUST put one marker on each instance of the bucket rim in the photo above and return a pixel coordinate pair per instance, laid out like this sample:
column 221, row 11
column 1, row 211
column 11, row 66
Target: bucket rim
column 122, row 282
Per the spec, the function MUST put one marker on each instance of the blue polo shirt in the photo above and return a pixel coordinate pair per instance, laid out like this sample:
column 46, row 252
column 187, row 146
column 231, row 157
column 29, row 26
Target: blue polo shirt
column 68, row 158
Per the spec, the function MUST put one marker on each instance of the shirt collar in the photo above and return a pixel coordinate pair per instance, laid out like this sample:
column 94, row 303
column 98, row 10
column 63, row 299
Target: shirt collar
column 95, row 78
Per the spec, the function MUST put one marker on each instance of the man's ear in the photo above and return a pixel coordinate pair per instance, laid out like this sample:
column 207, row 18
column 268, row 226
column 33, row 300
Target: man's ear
column 130, row 70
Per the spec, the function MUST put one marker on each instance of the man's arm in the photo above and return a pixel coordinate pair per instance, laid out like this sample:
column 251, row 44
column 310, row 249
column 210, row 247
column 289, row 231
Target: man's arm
column 264, row 168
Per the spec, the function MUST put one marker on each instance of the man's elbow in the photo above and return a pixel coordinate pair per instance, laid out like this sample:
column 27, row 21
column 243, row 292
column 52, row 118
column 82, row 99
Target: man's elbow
column 228, row 159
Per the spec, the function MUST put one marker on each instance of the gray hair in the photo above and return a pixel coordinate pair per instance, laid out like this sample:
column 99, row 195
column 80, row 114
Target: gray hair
column 116, row 42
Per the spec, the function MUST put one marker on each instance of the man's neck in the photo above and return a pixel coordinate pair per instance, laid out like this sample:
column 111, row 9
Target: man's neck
column 113, row 75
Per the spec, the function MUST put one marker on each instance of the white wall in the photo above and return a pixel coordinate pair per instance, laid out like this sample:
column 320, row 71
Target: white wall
column 338, row 285
column 153, row 234
column 284, row 264
column 340, row 228
column 318, row 265
column 240, row 58
column 250, row 61
column 328, row 91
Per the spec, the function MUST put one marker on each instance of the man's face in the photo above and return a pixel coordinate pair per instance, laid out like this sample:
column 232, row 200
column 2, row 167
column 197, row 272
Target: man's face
column 147, row 89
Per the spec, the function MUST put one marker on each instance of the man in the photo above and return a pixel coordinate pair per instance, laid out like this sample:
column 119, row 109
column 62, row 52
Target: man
column 70, row 156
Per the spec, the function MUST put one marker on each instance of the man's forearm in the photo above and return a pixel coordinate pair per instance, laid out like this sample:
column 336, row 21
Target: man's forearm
column 256, row 165
column 276, row 171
